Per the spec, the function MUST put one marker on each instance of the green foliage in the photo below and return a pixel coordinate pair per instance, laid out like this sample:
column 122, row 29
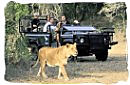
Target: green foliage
column 10, row 18
column 21, row 10
column 69, row 11
column 116, row 12
column 10, row 11
column 113, row 10
column 55, row 10
column 81, row 11
column 21, row 48
column 15, row 45
column 10, row 27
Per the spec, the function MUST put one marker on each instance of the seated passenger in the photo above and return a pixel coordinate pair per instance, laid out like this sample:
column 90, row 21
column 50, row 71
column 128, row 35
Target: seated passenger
column 50, row 22
column 35, row 22
column 76, row 23
column 64, row 20
column 48, row 18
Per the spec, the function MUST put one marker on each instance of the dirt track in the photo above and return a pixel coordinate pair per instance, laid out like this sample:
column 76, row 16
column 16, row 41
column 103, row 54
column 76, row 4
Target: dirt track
column 86, row 70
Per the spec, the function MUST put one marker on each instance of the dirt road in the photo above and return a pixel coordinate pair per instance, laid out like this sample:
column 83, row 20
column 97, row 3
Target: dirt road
column 86, row 70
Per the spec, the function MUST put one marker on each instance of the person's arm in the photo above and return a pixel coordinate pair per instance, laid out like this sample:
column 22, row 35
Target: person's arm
column 58, row 26
column 45, row 28
column 38, row 22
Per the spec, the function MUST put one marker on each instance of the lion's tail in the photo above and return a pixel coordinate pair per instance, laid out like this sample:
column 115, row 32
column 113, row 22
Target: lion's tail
column 35, row 63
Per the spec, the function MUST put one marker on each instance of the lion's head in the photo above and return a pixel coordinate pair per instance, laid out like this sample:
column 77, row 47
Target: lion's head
column 72, row 49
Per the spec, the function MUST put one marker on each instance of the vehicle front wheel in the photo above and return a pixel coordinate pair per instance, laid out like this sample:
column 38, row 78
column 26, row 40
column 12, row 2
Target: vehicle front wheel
column 72, row 59
column 102, row 55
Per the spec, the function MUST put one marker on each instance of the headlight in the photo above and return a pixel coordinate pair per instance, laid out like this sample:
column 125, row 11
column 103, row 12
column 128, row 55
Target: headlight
column 81, row 40
column 105, row 39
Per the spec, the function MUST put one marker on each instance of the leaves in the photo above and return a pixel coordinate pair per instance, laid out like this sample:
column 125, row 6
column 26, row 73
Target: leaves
column 113, row 10
column 55, row 10
column 15, row 44
column 21, row 10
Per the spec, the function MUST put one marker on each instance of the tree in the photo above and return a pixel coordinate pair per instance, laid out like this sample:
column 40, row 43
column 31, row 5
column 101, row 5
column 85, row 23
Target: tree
column 115, row 12
column 15, row 47
column 51, row 9
column 81, row 11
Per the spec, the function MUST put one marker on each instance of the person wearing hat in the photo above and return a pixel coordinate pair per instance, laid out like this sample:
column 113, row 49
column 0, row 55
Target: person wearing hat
column 76, row 23
column 35, row 22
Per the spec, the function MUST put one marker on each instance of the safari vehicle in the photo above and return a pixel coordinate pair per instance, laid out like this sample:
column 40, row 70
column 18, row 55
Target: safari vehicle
column 89, row 39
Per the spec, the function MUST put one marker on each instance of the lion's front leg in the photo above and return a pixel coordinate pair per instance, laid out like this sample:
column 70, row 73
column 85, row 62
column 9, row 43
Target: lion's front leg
column 63, row 71
column 59, row 75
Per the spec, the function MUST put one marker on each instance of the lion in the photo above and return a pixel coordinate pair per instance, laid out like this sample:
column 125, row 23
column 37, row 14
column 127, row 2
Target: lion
column 56, row 57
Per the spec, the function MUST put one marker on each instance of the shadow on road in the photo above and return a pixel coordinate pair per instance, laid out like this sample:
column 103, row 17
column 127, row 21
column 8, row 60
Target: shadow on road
column 93, row 59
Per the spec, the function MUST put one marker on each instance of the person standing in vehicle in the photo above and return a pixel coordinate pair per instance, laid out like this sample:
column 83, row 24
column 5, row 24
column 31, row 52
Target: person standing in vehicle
column 35, row 22
column 59, row 25
column 57, row 30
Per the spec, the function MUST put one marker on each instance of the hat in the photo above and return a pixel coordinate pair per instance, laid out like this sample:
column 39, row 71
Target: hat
column 76, row 21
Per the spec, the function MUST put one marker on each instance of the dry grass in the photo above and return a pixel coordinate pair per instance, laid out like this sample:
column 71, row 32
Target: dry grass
column 121, row 47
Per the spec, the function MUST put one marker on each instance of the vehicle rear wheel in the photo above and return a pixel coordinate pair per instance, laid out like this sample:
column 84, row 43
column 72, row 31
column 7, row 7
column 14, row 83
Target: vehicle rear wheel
column 102, row 55
column 34, row 50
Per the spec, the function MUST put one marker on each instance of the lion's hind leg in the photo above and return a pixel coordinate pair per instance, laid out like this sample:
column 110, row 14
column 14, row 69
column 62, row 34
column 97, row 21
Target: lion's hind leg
column 39, row 72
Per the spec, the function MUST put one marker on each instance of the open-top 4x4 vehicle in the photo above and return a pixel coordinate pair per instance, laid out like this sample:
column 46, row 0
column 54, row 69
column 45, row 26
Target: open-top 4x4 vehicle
column 89, row 39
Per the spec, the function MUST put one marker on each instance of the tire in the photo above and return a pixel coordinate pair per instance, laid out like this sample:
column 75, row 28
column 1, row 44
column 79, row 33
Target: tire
column 34, row 52
column 72, row 59
column 101, row 55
